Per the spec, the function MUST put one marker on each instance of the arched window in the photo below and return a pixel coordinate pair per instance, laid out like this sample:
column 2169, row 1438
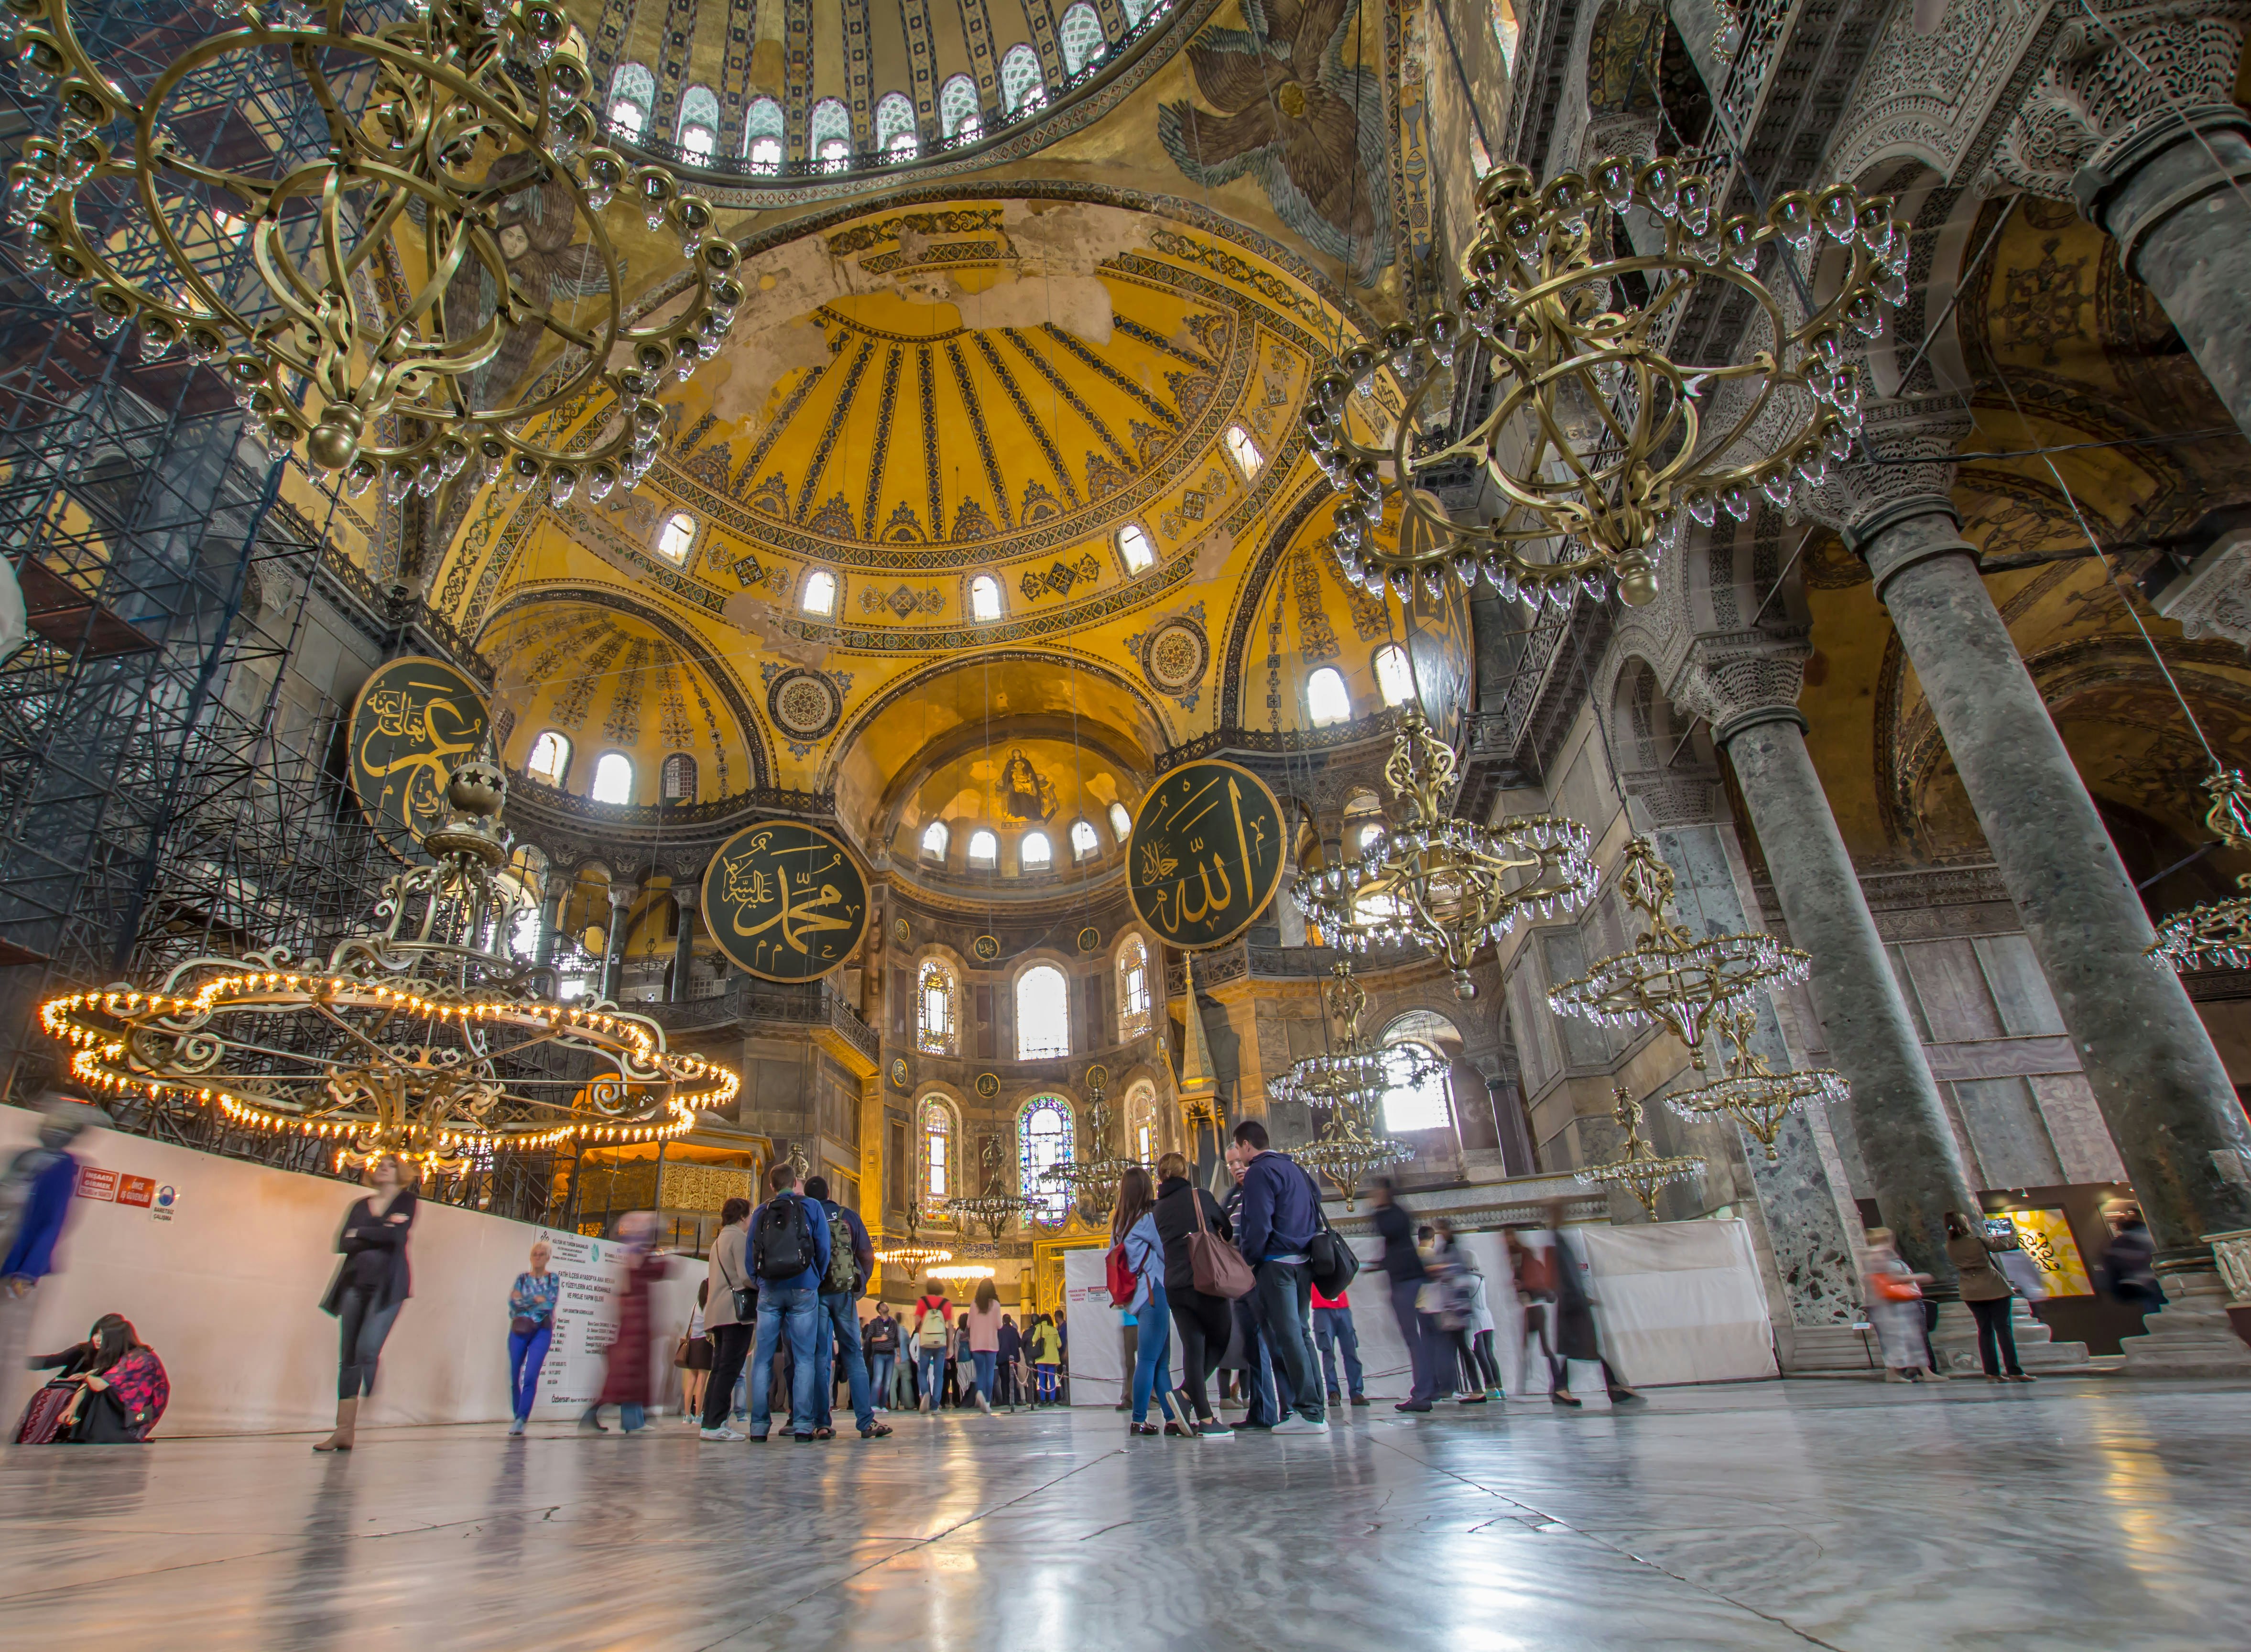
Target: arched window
column 699, row 123
column 1042, row 1144
column 1366, row 836
column 1395, row 680
column 1244, row 451
column 938, row 1155
column 895, row 126
column 819, row 596
column 1142, row 1142
column 612, row 778
column 676, row 780
column 762, row 132
column 1022, row 85
column 550, row 759
column 829, row 135
column 934, row 840
column 957, row 109
column 1328, row 702
column 1082, row 38
column 936, row 995
column 678, row 535
column 984, row 849
column 1083, row 843
column 1121, row 824
column 984, row 598
column 632, row 94
column 1133, row 989
column 1042, row 1014
column 1421, row 1093
column 1033, row 853
column 1133, row 545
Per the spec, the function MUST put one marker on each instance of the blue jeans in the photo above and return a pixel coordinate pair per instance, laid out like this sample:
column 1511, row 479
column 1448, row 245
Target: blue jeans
column 879, row 1377
column 1264, row 1405
column 840, row 1329
column 1047, row 1388
column 526, row 1354
column 1152, row 1354
column 1334, row 1326
column 931, row 1362
column 794, row 1311
column 1285, row 1298
column 985, row 1362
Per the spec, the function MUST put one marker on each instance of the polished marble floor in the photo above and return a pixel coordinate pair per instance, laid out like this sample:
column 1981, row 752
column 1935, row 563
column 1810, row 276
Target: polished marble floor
column 2087, row 1513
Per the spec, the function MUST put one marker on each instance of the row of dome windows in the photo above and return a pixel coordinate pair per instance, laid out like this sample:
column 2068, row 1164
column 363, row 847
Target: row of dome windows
column 828, row 129
column 817, row 596
column 1034, row 853
column 550, row 761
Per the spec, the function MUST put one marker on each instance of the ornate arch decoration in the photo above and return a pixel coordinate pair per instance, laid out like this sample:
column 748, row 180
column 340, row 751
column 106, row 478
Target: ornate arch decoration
column 691, row 645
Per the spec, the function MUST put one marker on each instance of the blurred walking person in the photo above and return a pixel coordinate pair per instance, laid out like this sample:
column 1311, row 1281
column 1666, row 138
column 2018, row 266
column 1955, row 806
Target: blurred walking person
column 372, row 1284
column 1455, row 1283
column 531, row 1303
column 35, row 1204
column 1575, row 1336
column 629, row 1380
column 1894, row 1307
column 1403, row 1266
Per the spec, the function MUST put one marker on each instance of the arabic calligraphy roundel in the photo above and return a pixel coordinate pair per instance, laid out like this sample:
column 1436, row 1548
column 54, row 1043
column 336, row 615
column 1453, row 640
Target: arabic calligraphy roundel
column 415, row 721
column 784, row 901
column 1205, row 856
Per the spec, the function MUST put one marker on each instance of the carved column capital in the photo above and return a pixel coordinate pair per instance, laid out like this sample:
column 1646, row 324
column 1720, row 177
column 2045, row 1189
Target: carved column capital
column 2117, row 82
column 1736, row 683
column 1905, row 452
column 2214, row 598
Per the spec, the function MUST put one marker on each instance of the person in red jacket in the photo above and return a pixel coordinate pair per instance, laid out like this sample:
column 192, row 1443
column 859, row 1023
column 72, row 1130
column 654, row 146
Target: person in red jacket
column 629, row 1380
column 1333, row 1334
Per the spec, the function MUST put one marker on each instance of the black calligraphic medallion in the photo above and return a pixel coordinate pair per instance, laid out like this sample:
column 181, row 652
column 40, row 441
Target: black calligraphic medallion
column 416, row 720
column 1205, row 855
column 784, row 901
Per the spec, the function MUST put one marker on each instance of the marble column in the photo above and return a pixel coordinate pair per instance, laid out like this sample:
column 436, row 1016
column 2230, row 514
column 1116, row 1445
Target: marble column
column 683, row 945
column 2169, row 1104
column 552, row 910
column 622, row 895
column 2136, row 120
column 1906, row 1142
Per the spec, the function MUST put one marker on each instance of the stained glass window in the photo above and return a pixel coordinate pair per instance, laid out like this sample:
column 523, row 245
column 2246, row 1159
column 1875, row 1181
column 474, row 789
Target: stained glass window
column 1082, row 38
column 937, row 1153
column 934, row 1003
column 1133, row 989
column 1042, row 1014
column 1043, row 1139
column 1022, row 85
column 762, row 129
column 895, row 126
column 1142, row 1140
column 956, row 108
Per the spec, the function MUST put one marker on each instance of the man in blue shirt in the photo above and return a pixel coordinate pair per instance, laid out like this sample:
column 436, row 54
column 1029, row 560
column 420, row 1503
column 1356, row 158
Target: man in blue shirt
column 1281, row 1214
column 35, row 1203
column 839, row 1325
column 786, row 1230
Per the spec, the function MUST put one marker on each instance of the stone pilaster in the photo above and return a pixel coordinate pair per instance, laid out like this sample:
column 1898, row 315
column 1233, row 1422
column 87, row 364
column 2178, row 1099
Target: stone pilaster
column 622, row 895
column 1749, row 696
column 683, row 946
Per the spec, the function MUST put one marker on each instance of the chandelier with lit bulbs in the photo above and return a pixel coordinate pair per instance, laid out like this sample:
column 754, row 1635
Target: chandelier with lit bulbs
column 434, row 124
column 911, row 1255
column 2215, row 934
column 426, row 1038
column 1682, row 984
column 1638, row 1169
column 1598, row 440
column 1753, row 1093
column 1452, row 886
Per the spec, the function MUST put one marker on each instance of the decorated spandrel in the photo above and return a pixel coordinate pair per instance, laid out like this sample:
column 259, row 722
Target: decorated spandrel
column 415, row 722
column 1205, row 856
column 784, row 901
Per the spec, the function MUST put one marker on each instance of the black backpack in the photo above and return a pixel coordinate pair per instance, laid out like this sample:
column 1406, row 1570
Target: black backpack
column 781, row 1239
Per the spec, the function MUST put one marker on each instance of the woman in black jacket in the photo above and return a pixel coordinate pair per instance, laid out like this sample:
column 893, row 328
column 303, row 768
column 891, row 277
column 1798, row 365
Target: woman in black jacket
column 370, row 1286
column 1203, row 1321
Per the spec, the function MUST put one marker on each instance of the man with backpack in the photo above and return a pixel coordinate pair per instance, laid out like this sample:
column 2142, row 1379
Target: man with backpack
column 1281, row 1217
column 789, row 1250
column 933, row 1325
column 851, row 1260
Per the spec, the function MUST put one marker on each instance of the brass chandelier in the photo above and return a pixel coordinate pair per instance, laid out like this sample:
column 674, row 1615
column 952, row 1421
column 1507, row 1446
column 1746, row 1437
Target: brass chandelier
column 1670, row 978
column 425, row 1039
column 1094, row 1181
column 912, row 1256
column 1432, row 881
column 1351, row 1148
column 1598, row 439
column 434, row 125
column 1753, row 1093
column 1353, row 1071
column 2215, row 934
column 1638, row 1169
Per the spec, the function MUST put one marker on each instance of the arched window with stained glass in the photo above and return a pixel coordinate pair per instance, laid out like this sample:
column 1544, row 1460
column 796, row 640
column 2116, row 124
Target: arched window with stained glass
column 1083, row 42
column 1043, row 1140
column 939, row 1169
column 936, row 998
column 1022, row 86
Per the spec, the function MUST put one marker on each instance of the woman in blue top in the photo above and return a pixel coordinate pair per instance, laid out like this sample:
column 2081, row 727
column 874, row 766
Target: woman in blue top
column 1133, row 1224
column 530, row 1328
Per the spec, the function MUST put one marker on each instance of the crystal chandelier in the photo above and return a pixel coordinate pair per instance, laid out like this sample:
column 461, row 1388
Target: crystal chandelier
column 1350, row 1149
column 1353, row 1071
column 434, row 127
column 424, row 1040
column 913, row 1256
column 1638, row 1169
column 1756, row 1096
column 2215, row 934
column 1670, row 978
column 1094, row 1181
column 1597, row 439
column 1431, row 880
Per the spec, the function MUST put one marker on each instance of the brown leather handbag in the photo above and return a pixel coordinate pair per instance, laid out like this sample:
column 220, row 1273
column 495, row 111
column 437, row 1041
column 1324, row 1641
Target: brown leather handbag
column 1217, row 1266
